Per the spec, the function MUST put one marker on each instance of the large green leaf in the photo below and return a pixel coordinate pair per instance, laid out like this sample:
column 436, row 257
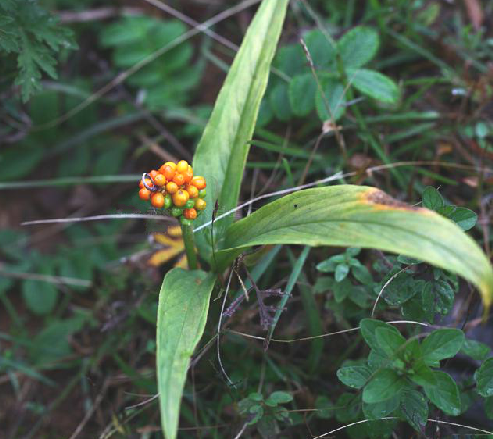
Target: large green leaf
column 182, row 313
column 365, row 217
column 222, row 151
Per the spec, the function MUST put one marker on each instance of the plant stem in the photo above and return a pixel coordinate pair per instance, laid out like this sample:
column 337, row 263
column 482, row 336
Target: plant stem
column 187, row 232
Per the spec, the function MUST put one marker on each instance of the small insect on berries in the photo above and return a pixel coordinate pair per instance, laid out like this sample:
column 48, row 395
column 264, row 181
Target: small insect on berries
column 145, row 194
column 190, row 214
column 180, row 198
column 157, row 200
column 198, row 182
column 160, row 180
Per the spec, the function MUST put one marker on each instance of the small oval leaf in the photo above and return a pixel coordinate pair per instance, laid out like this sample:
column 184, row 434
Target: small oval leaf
column 374, row 84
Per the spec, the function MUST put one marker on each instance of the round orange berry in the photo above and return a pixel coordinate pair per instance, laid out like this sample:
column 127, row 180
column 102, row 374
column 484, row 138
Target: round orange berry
column 171, row 187
column 190, row 213
column 157, row 200
column 180, row 198
column 160, row 180
column 200, row 204
column 167, row 171
column 172, row 164
column 198, row 182
column 192, row 191
column 153, row 174
column 148, row 183
column 179, row 179
column 182, row 166
column 188, row 174
column 144, row 194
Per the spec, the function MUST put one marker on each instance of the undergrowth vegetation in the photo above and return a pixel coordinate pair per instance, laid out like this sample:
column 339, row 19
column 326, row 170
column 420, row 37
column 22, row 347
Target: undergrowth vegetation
column 348, row 294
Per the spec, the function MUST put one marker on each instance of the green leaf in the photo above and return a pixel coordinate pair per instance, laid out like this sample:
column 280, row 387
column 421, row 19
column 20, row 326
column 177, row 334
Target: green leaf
column 365, row 217
column 221, row 153
column 465, row 218
column 354, row 376
column 358, row 46
column 444, row 394
column 432, row 198
column 374, row 84
column 325, row 407
column 442, row 343
column 414, row 408
column 333, row 98
column 182, row 313
column 475, row 349
column 484, row 378
column 321, row 49
column 40, row 296
column 388, row 340
column 341, row 272
column 302, row 91
column 280, row 102
column 381, row 409
column 368, row 328
column 385, row 384
column 278, row 397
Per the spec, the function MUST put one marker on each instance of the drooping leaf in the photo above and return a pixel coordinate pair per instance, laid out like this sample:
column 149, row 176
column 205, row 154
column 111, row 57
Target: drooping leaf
column 358, row 216
column 222, row 151
column 182, row 313
column 374, row 84
column 414, row 408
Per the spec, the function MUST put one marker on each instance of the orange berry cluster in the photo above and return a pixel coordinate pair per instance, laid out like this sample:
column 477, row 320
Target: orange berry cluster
column 174, row 187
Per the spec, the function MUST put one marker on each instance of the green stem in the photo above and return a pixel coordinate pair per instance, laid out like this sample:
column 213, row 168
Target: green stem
column 187, row 232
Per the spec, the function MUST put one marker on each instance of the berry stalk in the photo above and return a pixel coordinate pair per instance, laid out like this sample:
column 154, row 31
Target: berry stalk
column 187, row 233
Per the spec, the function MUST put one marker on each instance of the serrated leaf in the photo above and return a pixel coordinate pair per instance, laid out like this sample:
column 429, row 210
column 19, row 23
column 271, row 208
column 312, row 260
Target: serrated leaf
column 374, row 84
column 302, row 92
column 484, row 378
column 182, row 314
column 354, row 376
column 222, row 151
column 358, row 46
column 432, row 198
column 364, row 217
column 442, row 343
column 384, row 385
column 444, row 394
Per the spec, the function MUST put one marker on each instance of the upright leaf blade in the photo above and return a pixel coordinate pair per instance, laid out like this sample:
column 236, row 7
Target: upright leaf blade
column 358, row 216
column 222, row 151
column 182, row 313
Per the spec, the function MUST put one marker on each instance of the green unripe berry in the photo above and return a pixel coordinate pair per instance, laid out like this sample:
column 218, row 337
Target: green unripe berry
column 189, row 204
column 176, row 211
column 168, row 202
column 202, row 193
column 185, row 222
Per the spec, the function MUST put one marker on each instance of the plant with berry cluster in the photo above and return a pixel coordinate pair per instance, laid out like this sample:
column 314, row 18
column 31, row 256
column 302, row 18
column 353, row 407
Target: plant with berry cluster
column 175, row 188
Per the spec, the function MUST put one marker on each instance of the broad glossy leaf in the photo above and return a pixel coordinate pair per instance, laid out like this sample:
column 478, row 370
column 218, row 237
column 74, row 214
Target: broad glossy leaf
column 222, row 151
column 442, row 343
column 182, row 313
column 484, row 378
column 358, row 216
column 384, row 385
column 444, row 394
